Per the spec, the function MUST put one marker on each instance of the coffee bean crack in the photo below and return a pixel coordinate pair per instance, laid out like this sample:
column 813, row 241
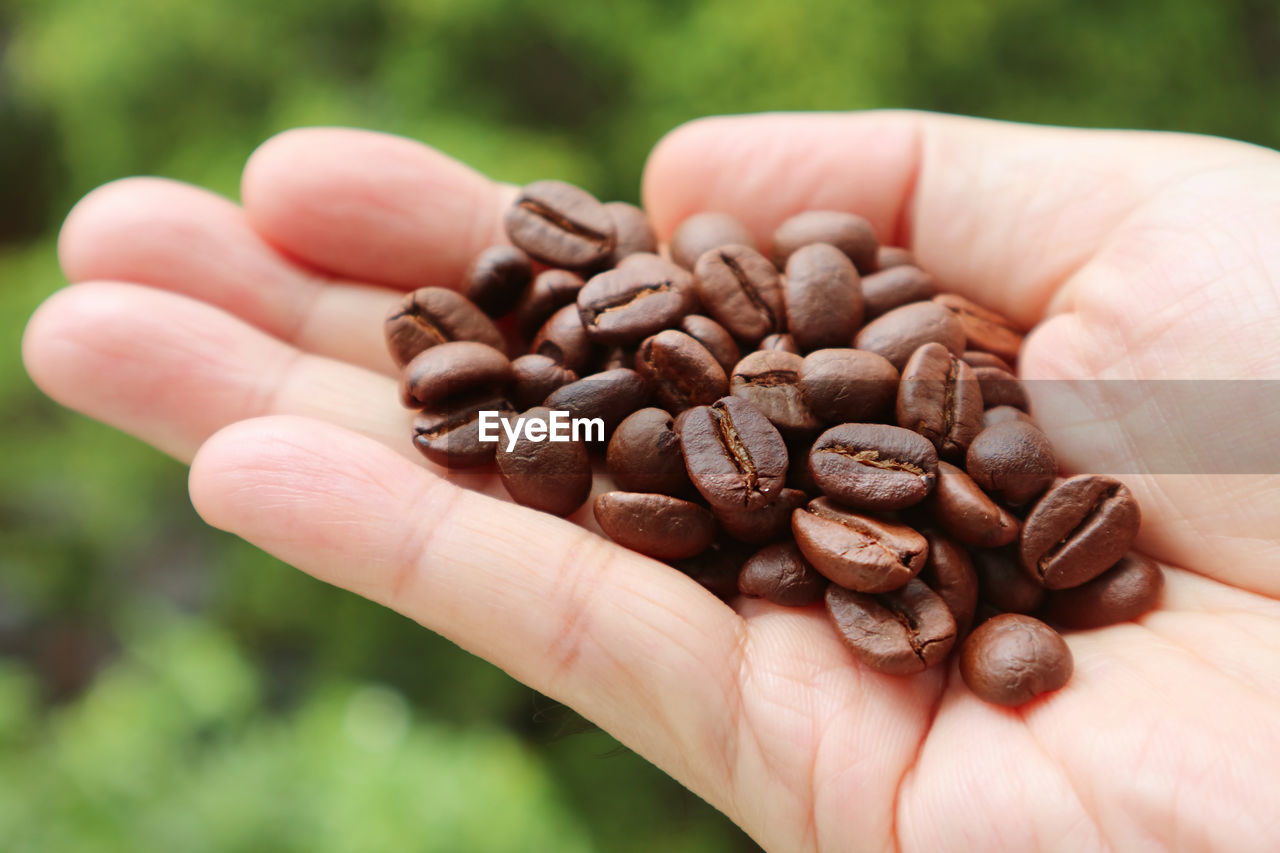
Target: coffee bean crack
column 872, row 459
column 738, row 454
column 558, row 220
column 627, row 299
column 1094, row 515
column 748, row 288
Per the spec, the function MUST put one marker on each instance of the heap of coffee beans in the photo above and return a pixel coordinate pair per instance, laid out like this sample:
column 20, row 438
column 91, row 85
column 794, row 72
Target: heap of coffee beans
column 815, row 424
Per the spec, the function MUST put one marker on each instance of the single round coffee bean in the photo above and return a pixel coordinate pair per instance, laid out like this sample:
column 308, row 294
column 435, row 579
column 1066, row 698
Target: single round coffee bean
column 1003, row 584
column 644, row 455
column 757, row 526
column 894, row 287
column 449, row 435
column 967, row 513
column 977, row 358
column 741, row 290
column 681, row 372
column 984, row 329
column 1001, row 388
column 533, row 377
column 873, row 466
column 610, row 395
column 714, row 337
column 1011, row 659
column 849, row 233
column 550, row 291
column 848, row 385
column 657, row 526
column 451, row 370
column 857, row 551
column 496, row 279
column 436, row 315
column 703, row 232
column 949, row 572
column 561, row 225
column 898, row 633
column 734, row 456
column 1012, row 460
column 780, row 341
column 894, row 256
column 770, row 381
column 823, row 295
column 780, row 573
column 902, row 331
column 940, row 398
column 1000, row 414
column 1122, row 593
column 1080, row 528
column 553, row 476
column 562, row 338
column 633, row 231
column 717, row 568
column 627, row 305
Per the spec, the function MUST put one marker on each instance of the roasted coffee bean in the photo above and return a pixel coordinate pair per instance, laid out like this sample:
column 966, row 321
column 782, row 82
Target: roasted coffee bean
column 632, row 229
column 681, row 371
column 900, row 332
column 848, row 385
column 977, row 358
column 553, row 476
column 536, row 376
column 714, row 337
column 436, row 315
column 894, row 256
column 757, row 526
column 856, row 551
column 1078, row 529
column 780, row 573
column 449, row 435
column 627, row 305
column 550, row 291
column 562, row 338
column 1000, row 414
column 949, row 572
column 561, row 225
column 734, row 456
column 455, row 369
column 717, row 568
column 703, row 232
column 770, row 380
column 657, row 526
column 940, row 398
column 741, row 290
column 1001, row 388
column 1003, row 584
column 1011, row 659
column 849, row 233
column 984, row 329
column 894, row 287
column 1122, row 593
column 496, row 279
column 898, row 633
column 873, row 466
column 967, row 513
column 644, row 455
column 780, row 341
column 610, row 395
column 823, row 295
column 1011, row 460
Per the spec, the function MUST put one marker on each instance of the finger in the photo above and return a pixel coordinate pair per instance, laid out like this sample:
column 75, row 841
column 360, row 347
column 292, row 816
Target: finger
column 371, row 206
column 180, row 238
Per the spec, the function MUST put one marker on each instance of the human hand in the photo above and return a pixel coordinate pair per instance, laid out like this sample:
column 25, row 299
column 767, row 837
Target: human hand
column 250, row 341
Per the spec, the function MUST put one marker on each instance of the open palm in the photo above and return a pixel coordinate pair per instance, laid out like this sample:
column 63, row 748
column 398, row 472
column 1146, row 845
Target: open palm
column 249, row 340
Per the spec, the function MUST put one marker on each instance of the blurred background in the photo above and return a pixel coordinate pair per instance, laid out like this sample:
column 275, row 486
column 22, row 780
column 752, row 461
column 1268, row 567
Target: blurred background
column 166, row 687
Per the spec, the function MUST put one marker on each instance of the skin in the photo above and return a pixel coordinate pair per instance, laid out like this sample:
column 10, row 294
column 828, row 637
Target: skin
column 248, row 340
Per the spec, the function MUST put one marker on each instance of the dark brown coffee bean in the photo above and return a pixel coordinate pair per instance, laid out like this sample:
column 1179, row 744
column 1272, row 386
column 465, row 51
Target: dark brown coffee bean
column 949, row 572
column 770, row 380
column 894, row 256
column 496, row 279
column 627, row 305
column 717, row 568
column 984, row 329
column 1011, row 460
column 1011, row 659
column 902, row 331
column 967, row 513
column 436, row 315
column 452, row 370
column 1000, row 414
column 894, row 287
column 644, row 455
column 780, row 341
column 562, row 338
column 856, row 551
column 550, row 291
column 610, row 395
column 741, row 290
column 1001, row 388
column 848, row 385
column 898, row 633
column 703, row 232
column 536, row 376
column 1122, row 593
column 977, row 358
column 634, row 234
column 939, row 397
column 734, row 456
column 657, row 526
column 823, row 295
column 1003, row 584
column 553, row 476
column 780, row 573
column 561, row 225
column 681, row 371
column 714, row 337
column 873, row 466
column 849, row 233
column 1079, row 529
column 757, row 526
column 449, row 435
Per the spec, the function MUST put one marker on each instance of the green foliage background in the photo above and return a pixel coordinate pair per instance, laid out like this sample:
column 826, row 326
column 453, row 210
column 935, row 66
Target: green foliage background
column 164, row 687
